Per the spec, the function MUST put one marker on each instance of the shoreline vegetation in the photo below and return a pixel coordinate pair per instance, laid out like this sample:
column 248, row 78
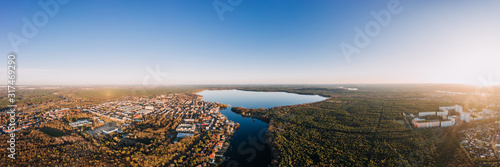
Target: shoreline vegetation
column 223, row 106
column 257, row 113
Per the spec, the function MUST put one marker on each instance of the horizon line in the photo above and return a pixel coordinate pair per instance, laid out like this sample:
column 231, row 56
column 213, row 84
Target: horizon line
column 236, row 84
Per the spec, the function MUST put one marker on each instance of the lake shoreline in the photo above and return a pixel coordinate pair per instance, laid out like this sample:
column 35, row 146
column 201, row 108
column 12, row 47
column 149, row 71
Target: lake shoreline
column 248, row 107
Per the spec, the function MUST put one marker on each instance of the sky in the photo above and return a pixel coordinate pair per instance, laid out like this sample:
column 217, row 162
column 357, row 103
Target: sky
column 132, row 42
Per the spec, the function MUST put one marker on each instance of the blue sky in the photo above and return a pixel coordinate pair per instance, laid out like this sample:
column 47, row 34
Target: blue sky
column 258, row 42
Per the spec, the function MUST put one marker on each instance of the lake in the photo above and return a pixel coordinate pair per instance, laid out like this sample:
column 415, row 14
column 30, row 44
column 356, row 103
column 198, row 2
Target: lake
column 247, row 146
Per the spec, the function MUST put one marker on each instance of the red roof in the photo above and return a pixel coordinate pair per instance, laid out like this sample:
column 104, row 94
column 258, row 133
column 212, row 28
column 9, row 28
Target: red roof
column 212, row 156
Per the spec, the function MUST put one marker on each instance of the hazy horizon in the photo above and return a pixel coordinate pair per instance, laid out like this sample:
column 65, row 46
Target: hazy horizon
column 345, row 85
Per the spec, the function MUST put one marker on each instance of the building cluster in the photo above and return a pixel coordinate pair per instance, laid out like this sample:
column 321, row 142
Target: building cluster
column 216, row 145
column 57, row 113
column 197, row 115
column 36, row 119
column 483, row 114
column 444, row 118
column 5, row 128
column 482, row 141
column 464, row 116
column 436, row 118
column 174, row 106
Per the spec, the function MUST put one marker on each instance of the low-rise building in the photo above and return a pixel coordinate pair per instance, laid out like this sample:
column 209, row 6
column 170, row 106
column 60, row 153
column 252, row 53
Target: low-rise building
column 80, row 123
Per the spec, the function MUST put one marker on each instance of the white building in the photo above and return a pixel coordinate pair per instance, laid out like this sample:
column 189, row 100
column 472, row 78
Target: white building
column 421, row 114
column 447, row 108
column 188, row 120
column 457, row 108
column 448, row 123
column 442, row 113
column 465, row 117
column 110, row 131
column 186, row 128
column 80, row 123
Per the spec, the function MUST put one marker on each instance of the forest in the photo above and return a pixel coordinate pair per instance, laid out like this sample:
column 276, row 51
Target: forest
column 359, row 128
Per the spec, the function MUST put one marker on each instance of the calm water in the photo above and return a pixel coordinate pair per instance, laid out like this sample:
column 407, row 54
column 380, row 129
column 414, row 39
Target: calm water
column 247, row 147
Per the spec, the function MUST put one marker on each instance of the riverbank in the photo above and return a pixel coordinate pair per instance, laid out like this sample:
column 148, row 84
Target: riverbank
column 252, row 113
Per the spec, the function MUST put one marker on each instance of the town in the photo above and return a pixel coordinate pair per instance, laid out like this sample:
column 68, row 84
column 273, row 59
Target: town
column 196, row 117
column 482, row 142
